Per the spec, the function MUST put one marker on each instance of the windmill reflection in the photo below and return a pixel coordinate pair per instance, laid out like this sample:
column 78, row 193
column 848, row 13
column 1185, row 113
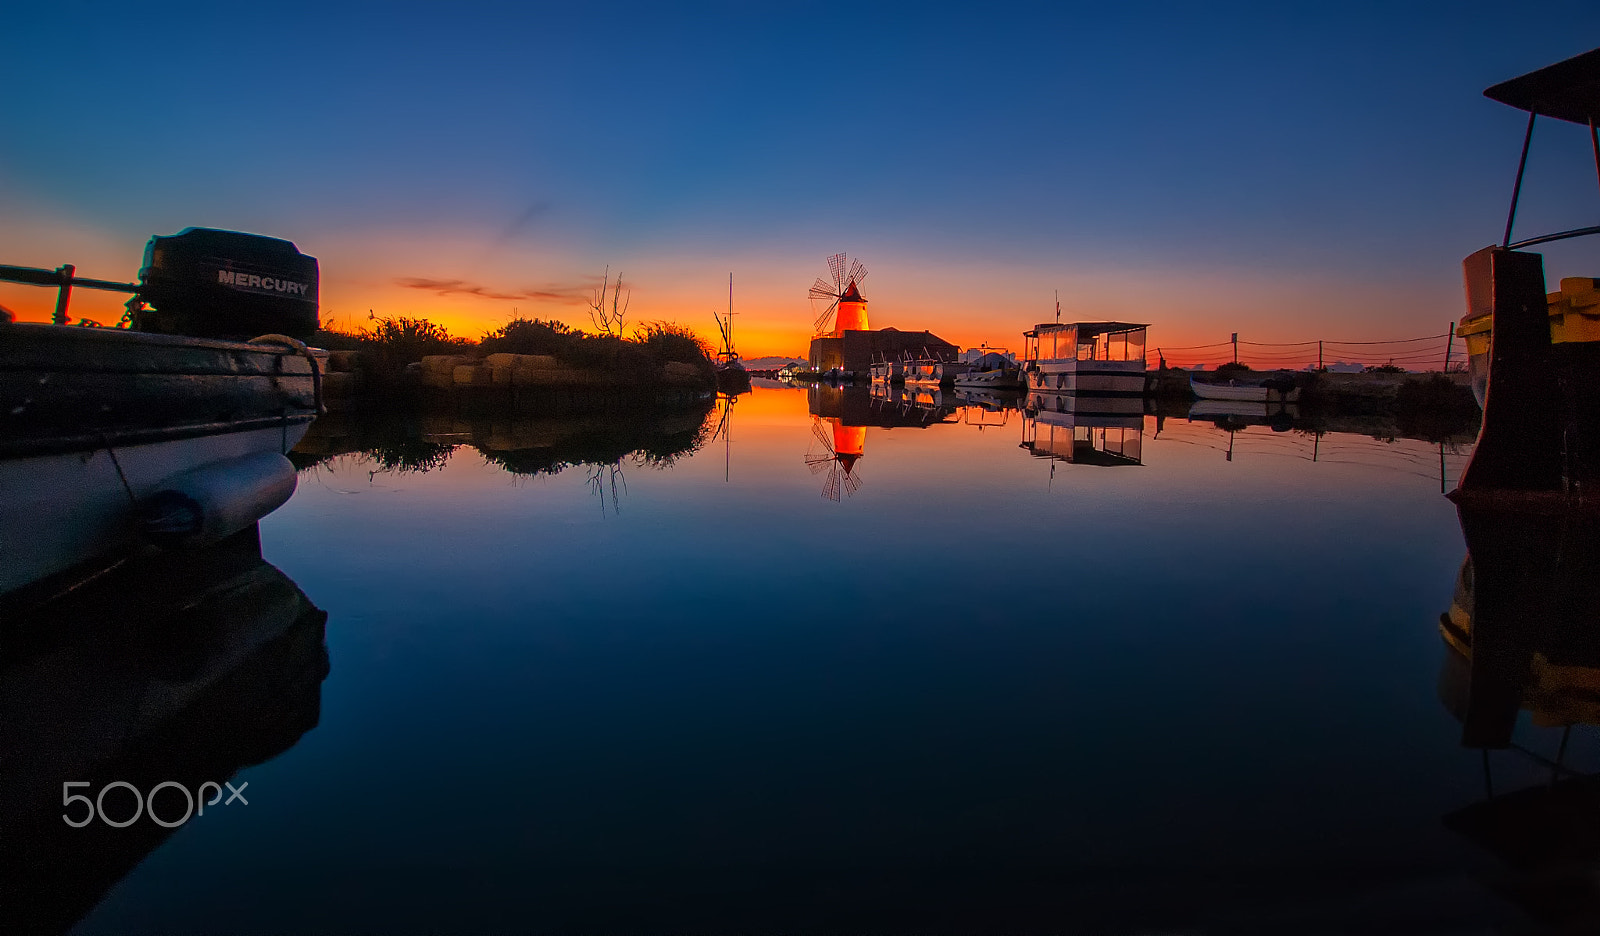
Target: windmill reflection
column 841, row 447
column 1523, row 635
column 185, row 669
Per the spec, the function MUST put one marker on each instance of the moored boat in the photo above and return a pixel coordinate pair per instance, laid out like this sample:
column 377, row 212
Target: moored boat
column 732, row 377
column 888, row 371
column 993, row 371
column 112, row 438
column 930, row 371
column 1085, row 358
column 1266, row 390
column 1535, row 355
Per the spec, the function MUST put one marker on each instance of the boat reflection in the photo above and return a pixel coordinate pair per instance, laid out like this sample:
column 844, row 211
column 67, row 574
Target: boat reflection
column 1084, row 430
column 178, row 670
column 1523, row 635
column 891, row 406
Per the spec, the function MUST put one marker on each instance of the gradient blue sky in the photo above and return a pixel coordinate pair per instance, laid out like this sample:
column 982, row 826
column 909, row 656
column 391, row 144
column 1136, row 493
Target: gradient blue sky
column 1282, row 172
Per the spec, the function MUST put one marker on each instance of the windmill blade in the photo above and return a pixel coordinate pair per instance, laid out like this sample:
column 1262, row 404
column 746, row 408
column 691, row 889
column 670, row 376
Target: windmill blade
column 836, row 266
column 822, row 320
column 821, row 290
column 822, row 436
column 818, row 463
column 852, row 483
column 858, row 271
column 830, row 489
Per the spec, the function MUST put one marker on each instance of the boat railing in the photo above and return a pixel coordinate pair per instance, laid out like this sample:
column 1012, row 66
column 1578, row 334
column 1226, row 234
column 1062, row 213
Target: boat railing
column 63, row 278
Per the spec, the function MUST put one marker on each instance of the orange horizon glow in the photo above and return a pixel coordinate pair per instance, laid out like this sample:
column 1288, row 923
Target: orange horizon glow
column 980, row 302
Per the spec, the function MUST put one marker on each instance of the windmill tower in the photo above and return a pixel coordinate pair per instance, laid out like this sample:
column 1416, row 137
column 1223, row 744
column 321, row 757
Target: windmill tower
column 841, row 449
column 845, row 309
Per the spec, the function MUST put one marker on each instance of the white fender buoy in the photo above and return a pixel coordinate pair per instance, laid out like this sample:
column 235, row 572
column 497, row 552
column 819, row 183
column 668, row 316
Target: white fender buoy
column 207, row 504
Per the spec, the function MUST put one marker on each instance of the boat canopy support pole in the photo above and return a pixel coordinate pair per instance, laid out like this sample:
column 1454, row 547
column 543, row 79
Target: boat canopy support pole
column 1516, row 190
column 1594, row 141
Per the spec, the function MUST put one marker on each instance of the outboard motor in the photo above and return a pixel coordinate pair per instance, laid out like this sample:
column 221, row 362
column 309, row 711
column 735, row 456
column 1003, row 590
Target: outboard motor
column 225, row 284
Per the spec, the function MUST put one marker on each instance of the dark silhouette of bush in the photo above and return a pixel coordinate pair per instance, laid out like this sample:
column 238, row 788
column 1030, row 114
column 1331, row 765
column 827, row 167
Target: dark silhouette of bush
column 400, row 341
column 1232, row 368
column 531, row 336
column 666, row 341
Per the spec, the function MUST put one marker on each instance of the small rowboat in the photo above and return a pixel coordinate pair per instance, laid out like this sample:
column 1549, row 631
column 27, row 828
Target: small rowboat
column 1270, row 390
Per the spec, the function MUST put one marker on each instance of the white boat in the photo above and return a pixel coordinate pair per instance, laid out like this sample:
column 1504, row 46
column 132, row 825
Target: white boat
column 1085, row 358
column 993, row 370
column 934, row 372
column 888, row 372
column 112, row 439
column 999, row 378
column 1269, row 390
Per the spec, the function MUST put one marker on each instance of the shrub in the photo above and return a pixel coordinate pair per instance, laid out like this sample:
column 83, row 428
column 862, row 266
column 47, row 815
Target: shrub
column 666, row 341
column 531, row 336
column 403, row 340
column 1383, row 369
column 1232, row 367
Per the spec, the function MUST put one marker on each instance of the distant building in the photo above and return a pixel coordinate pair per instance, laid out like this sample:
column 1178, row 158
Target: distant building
column 852, row 347
column 852, row 351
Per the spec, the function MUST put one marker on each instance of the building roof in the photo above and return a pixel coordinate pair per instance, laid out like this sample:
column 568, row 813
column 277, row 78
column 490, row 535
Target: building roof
column 1089, row 329
column 1568, row 90
column 851, row 293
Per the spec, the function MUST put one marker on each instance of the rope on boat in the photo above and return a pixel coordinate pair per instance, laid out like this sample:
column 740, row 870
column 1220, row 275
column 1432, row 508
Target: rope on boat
column 117, row 464
column 298, row 346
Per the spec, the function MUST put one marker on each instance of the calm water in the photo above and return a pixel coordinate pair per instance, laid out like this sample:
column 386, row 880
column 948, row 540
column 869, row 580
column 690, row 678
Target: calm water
column 1191, row 684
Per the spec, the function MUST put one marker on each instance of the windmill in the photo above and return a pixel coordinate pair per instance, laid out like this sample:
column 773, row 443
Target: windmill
column 843, row 296
column 836, row 460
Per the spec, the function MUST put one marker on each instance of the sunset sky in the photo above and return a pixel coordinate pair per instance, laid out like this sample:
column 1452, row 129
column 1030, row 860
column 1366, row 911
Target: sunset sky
column 1207, row 168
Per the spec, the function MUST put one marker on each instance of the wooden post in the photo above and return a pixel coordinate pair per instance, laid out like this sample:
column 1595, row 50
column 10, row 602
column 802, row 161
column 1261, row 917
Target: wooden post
column 1235, row 347
column 1319, row 354
column 1449, row 339
column 64, row 294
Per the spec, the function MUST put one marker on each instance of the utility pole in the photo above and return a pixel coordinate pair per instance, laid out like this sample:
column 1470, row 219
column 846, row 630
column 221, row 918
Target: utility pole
column 1449, row 339
column 1319, row 354
column 1235, row 351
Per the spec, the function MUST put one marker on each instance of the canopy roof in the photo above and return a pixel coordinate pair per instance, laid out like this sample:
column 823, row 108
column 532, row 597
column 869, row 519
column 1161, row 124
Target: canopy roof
column 1568, row 90
column 1089, row 329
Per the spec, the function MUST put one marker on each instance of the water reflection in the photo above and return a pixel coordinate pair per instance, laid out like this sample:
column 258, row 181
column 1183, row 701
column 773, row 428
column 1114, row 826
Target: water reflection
column 1522, row 639
column 839, row 448
column 602, row 444
column 1084, row 430
column 178, row 670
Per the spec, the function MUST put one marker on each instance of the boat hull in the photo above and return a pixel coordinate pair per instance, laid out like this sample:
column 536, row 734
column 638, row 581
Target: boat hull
column 71, row 513
column 998, row 379
column 94, row 421
column 1070, row 377
column 1243, row 394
